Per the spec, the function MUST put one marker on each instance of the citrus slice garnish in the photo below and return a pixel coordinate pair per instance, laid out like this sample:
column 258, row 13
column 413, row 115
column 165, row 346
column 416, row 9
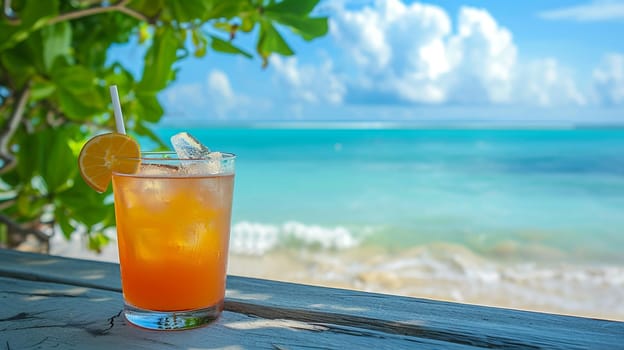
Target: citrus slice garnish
column 106, row 153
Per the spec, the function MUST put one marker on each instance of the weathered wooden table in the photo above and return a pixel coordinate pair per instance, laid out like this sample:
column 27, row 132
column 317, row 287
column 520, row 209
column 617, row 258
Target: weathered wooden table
column 49, row 302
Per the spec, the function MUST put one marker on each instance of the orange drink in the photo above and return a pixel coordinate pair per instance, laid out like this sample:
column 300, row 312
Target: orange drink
column 173, row 227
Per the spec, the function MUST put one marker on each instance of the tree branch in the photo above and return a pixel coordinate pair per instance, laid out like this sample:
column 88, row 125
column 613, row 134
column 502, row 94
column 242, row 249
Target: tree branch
column 13, row 226
column 8, row 160
column 133, row 13
column 120, row 6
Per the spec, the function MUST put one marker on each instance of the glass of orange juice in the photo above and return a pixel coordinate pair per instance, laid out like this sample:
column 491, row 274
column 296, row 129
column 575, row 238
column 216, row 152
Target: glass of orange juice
column 173, row 228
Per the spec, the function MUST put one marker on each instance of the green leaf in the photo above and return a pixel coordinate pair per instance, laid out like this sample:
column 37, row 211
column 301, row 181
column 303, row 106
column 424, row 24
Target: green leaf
column 84, row 205
column 20, row 63
column 200, row 42
column 12, row 179
column 4, row 235
column 144, row 33
column 92, row 36
column 200, row 52
column 30, row 204
column 271, row 41
column 97, row 240
column 196, row 36
column 74, row 79
column 33, row 15
column 149, row 8
column 60, row 163
column 41, row 89
column 247, row 24
column 224, row 26
column 78, row 94
column 295, row 7
column 30, row 154
column 74, row 106
column 120, row 76
column 63, row 220
column 186, row 11
column 56, row 42
column 47, row 154
column 148, row 107
column 307, row 28
column 228, row 9
column 221, row 45
column 158, row 61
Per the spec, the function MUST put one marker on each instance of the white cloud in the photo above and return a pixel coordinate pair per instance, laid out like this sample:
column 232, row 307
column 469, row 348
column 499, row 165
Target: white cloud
column 219, row 84
column 597, row 10
column 483, row 56
column 608, row 80
column 364, row 38
column 223, row 99
column 312, row 84
column 396, row 47
column 213, row 98
column 546, row 83
column 394, row 52
column 180, row 95
column 415, row 56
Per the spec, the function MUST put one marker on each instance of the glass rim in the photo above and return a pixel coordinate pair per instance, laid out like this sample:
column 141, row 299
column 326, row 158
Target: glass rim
column 173, row 156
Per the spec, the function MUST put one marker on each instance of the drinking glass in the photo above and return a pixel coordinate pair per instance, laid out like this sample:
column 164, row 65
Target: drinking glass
column 173, row 229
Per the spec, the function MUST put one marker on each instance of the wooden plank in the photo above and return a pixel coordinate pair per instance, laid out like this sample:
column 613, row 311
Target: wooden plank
column 42, row 315
column 442, row 321
column 453, row 322
column 39, row 267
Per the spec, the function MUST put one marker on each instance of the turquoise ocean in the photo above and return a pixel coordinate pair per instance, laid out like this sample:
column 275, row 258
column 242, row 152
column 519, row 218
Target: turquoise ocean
column 503, row 207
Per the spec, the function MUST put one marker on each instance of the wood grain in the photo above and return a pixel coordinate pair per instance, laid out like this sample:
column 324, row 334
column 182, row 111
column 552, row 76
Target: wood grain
column 65, row 299
column 43, row 315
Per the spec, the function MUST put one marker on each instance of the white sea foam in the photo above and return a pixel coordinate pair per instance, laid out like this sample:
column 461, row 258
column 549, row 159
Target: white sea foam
column 257, row 238
column 253, row 238
column 461, row 275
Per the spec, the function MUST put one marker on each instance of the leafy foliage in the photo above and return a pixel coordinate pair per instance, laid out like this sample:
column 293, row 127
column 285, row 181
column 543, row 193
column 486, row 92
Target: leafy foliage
column 54, row 75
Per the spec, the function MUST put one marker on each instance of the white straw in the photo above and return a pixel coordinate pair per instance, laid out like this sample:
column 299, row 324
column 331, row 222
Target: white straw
column 117, row 110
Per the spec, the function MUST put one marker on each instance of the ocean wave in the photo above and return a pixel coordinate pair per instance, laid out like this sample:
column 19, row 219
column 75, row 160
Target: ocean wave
column 255, row 238
column 451, row 272
column 452, row 262
column 448, row 271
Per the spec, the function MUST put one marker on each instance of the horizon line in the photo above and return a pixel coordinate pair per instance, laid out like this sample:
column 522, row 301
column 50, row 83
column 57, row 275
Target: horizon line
column 427, row 124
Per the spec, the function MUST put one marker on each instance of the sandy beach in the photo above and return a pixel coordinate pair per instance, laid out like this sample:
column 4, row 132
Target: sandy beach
column 441, row 272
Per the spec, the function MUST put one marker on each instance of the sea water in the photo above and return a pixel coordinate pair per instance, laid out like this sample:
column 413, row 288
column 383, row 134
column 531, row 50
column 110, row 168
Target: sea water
column 535, row 217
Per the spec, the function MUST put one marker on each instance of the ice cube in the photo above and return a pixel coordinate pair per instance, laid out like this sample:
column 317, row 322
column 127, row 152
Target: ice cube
column 202, row 161
column 214, row 164
column 188, row 147
column 210, row 165
column 157, row 170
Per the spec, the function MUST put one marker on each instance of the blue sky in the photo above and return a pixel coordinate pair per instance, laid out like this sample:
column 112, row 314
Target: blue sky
column 399, row 60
